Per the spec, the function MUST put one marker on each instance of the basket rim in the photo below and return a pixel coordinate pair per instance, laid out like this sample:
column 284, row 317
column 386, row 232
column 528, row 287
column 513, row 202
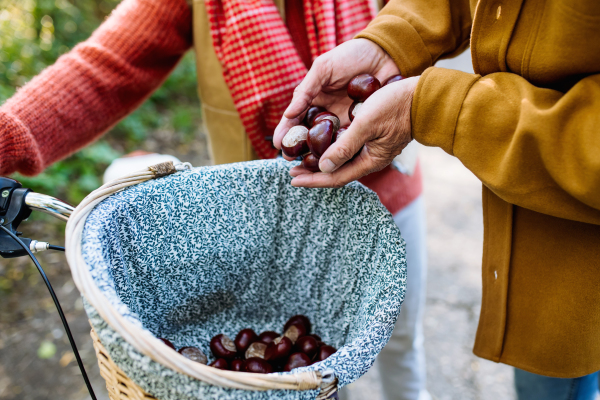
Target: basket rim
column 142, row 340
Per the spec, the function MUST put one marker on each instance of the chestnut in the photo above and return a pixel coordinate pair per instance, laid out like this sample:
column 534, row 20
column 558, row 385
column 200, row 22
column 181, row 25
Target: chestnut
column 167, row 342
column 307, row 345
column 311, row 163
column 256, row 350
column 317, row 337
column 244, row 339
column 297, row 360
column 220, row 363
column 194, row 354
column 295, row 331
column 278, row 349
column 223, row 347
column 331, row 117
column 392, row 79
column 268, row 336
column 339, row 133
column 363, row 86
column 294, row 143
column 320, row 136
column 258, row 366
column 237, row 365
column 311, row 114
column 298, row 319
column 324, row 352
column 353, row 110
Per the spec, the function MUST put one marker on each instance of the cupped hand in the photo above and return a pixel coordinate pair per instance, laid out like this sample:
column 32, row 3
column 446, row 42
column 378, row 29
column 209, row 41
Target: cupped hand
column 378, row 133
column 325, row 83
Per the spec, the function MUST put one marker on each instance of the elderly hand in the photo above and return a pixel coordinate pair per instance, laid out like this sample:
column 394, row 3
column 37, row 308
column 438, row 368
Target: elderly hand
column 382, row 128
column 325, row 84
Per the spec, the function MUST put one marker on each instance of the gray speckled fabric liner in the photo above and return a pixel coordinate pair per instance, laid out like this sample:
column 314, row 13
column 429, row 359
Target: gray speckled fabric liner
column 218, row 249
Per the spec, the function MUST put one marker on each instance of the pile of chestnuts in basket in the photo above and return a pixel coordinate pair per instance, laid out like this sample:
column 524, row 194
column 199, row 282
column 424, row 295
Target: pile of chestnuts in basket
column 321, row 128
column 264, row 353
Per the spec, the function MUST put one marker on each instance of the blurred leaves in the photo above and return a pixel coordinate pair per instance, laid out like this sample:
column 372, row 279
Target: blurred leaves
column 33, row 34
column 46, row 350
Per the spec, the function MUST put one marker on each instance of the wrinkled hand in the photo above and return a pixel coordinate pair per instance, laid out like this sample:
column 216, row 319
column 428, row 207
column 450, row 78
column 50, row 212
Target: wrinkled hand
column 382, row 129
column 325, row 84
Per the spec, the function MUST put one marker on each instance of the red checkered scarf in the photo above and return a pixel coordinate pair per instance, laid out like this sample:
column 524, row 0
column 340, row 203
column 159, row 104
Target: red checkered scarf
column 260, row 63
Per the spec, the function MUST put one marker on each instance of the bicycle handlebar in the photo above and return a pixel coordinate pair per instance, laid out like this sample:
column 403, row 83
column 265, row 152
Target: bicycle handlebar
column 49, row 205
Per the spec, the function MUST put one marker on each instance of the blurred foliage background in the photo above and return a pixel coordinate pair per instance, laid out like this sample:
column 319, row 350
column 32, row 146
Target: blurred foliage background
column 33, row 34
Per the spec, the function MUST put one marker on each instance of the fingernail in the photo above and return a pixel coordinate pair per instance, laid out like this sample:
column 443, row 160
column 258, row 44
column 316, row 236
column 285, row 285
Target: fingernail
column 327, row 166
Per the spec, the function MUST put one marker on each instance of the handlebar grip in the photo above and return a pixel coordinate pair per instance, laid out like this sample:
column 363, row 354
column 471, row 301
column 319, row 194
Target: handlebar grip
column 49, row 205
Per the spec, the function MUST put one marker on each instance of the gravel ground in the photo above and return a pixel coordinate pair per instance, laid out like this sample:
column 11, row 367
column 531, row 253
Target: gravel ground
column 36, row 363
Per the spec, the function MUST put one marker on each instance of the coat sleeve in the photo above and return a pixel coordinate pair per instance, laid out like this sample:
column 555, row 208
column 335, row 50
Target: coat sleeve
column 417, row 33
column 89, row 89
column 534, row 147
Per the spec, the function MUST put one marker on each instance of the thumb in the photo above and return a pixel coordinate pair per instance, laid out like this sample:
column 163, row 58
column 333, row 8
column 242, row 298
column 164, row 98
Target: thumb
column 344, row 147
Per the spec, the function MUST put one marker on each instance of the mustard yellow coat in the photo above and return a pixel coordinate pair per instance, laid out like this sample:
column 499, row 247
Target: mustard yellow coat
column 528, row 125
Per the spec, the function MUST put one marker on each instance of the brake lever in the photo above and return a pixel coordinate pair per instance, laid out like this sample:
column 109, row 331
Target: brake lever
column 16, row 204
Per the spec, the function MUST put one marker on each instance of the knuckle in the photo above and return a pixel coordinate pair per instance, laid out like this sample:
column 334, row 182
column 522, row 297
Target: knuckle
column 319, row 62
column 345, row 153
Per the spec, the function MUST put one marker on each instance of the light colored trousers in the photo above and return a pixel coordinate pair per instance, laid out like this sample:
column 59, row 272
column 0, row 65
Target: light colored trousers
column 401, row 363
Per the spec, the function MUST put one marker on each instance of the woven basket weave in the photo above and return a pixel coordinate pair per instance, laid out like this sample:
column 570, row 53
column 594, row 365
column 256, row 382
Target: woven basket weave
column 119, row 386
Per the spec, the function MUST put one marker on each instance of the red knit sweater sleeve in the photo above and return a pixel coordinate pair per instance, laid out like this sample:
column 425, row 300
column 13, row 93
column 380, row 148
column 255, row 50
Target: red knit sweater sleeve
column 89, row 89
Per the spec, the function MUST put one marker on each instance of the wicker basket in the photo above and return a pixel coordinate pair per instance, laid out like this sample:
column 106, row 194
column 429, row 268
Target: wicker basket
column 119, row 386
column 167, row 374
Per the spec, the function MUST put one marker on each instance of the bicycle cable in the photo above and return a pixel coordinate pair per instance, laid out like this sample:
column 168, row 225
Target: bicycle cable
column 58, row 307
column 53, row 247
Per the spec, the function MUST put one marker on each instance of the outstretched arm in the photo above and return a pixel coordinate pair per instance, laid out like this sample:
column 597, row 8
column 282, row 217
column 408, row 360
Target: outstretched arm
column 89, row 89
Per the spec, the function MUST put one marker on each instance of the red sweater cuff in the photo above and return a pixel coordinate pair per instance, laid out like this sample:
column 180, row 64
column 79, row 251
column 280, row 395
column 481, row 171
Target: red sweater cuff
column 18, row 148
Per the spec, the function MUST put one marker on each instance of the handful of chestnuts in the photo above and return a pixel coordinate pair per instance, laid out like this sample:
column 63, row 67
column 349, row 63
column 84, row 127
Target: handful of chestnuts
column 321, row 128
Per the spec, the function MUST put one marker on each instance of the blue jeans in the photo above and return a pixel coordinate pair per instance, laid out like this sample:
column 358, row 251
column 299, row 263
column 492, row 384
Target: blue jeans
column 537, row 387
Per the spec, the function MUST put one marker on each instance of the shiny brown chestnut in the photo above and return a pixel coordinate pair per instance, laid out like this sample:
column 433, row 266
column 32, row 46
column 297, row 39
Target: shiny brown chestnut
column 298, row 319
column 194, row 354
column 363, row 86
column 294, row 143
column 278, row 349
column 167, row 342
column 256, row 350
column 268, row 336
column 317, row 337
column 307, row 345
column 311, row 114
column 392, row 79
column 295, row 331
column 311, row 163
column 353, row 110
column 320, row 136
column 257, row 366
column 297, row 360
column 220, row 363
column 338, row 134
column 329, row 116
column 244, row 339
column 237, row 365
column 223, row 347
column 324, row 352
